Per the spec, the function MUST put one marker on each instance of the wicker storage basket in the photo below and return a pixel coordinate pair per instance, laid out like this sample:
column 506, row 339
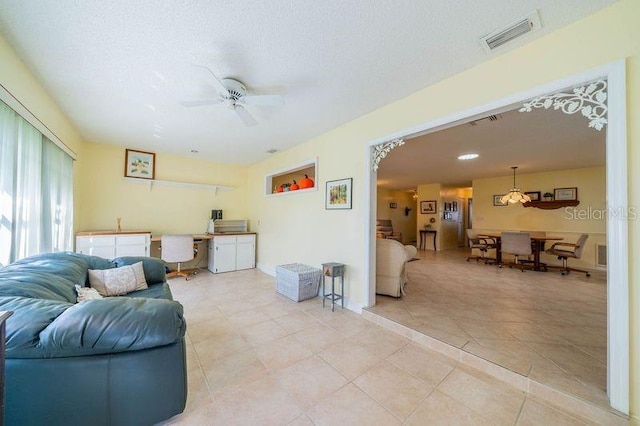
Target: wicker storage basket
column 297, row 281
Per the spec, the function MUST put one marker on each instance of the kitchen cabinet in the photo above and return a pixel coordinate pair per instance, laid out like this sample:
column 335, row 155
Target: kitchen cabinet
column 110, row 244
column 232, row 252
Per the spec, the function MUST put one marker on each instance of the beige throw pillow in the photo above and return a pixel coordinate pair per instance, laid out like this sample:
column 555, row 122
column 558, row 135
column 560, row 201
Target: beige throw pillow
column 117, row 281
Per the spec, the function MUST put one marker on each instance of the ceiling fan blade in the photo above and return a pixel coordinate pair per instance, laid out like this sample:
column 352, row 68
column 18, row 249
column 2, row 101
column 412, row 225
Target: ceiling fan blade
column 201, row 103
column 263, row 100
column 217, row 83
column 244, row 115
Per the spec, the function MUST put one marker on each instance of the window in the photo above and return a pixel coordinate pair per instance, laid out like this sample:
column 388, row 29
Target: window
column 36, row 191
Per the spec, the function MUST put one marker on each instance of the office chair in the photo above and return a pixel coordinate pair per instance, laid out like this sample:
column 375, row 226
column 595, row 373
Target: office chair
column 517, row 244
column 483, row 244
column 573, row 251
column 177, row 248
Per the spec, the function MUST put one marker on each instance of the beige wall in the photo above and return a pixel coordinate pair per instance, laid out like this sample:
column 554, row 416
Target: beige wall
column 568, row 223
column 401, row 222
column 608, row 35
column 106, row 195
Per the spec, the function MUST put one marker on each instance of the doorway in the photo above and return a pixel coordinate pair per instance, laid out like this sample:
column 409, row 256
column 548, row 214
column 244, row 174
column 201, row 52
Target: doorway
column 616, row 189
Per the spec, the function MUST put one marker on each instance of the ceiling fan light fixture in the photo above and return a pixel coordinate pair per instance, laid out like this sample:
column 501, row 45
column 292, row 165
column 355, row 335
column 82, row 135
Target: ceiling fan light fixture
column 514, row 195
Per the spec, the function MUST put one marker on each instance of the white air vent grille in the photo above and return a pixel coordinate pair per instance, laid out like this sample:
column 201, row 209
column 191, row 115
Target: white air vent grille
column 514, row 30
column 601, row 255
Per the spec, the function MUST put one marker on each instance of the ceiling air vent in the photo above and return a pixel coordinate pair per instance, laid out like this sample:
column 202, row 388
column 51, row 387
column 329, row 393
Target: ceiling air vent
column 516, row 29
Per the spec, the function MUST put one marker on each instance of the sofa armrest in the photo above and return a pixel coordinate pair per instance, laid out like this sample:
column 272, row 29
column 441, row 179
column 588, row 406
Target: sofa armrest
column 116, row 324
column 154, row 268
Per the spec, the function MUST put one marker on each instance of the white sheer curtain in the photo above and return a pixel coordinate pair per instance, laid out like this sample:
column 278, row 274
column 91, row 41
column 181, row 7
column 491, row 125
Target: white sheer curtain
column 36, row 191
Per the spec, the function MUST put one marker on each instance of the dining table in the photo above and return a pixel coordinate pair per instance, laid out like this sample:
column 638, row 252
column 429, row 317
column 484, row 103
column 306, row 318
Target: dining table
column 537, row 246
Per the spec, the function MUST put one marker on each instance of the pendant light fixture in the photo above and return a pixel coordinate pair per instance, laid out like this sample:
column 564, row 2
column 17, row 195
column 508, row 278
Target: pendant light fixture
column 415, row 195
column 514, row 196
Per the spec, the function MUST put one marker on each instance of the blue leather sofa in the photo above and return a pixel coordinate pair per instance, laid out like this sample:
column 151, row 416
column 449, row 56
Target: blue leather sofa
column 112, row 361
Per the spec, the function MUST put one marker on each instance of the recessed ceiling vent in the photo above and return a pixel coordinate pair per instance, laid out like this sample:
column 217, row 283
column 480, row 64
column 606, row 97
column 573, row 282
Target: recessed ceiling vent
column 489, row 117
column 516, row 29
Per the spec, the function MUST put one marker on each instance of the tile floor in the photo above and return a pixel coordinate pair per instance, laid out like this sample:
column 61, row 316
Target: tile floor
column 255, row 357
column 542, row 325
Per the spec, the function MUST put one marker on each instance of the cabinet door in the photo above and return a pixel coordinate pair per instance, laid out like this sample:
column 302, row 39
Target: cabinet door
column 246, row 252
column 108, row 252
column 132, row 245
column 224, row 254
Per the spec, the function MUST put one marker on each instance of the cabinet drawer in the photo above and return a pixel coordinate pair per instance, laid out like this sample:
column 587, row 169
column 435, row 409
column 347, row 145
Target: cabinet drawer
column 127, row 240
column 96, row 241
column 246, row 239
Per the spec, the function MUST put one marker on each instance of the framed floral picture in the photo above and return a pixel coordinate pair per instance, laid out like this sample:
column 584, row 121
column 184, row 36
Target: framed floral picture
column 338, row 194
column 139, row 164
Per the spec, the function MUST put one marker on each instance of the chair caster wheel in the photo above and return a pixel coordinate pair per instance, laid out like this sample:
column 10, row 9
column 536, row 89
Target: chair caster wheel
column 562, row 273
column 588, row 275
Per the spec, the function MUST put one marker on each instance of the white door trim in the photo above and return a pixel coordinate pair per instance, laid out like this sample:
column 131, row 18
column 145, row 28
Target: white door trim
column 617, row 203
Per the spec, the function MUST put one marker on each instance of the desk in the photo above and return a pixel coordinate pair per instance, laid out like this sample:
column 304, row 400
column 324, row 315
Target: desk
column 537, row 247
column 196, row 237
column 423, row 238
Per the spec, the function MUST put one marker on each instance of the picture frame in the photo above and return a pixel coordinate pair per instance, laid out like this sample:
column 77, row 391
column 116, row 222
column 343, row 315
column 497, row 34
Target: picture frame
column 338, row 194
column 534, row 195
column 393, row 205
column 566, row 194
column 497, row 202
column 429, row 207
column 139, row 164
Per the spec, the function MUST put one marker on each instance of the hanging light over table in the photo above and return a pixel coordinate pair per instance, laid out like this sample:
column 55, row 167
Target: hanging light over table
column 514, row 196
column 415, row 195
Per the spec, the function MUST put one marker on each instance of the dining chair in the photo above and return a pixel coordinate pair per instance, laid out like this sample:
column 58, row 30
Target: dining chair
column 564, row 251
column 483, row 244
column 177, row 248
column 517, row 244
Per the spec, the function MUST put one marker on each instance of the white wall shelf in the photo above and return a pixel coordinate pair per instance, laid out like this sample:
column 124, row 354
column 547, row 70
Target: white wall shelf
column 154, row 182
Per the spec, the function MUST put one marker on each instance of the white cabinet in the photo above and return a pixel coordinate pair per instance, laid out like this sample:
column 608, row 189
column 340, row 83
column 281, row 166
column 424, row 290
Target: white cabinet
column 112, row 245
column 232, row 253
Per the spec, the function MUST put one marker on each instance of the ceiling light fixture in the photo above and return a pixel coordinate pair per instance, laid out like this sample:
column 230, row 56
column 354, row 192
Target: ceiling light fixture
column 467, row 156
column 415, row 195
column 514, row 196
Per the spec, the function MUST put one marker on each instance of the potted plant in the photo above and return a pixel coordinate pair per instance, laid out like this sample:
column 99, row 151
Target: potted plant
column 548, row 196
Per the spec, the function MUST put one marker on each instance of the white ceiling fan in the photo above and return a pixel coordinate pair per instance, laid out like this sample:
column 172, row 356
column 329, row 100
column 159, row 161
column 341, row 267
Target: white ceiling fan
column 233, row 94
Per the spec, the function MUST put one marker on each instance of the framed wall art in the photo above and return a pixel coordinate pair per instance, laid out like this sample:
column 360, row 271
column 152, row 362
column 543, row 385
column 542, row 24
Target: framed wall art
column 428, row 207
column 338, row 194
column 565, row 193
column 534, row 195
column 496, row 200
column 139, row 164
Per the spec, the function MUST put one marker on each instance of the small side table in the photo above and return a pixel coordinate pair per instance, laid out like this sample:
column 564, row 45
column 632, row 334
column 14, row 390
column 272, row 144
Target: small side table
column 423, row 238
column 333, row 270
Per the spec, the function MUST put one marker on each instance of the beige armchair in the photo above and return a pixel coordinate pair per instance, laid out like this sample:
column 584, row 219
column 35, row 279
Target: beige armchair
column 384, row 229
column 391, row 260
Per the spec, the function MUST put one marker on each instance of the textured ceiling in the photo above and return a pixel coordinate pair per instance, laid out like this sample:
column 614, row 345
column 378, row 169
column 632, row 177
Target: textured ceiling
column 120, row 68
column 537, row 141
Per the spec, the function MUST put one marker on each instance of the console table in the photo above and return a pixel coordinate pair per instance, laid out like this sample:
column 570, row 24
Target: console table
column 423, row 238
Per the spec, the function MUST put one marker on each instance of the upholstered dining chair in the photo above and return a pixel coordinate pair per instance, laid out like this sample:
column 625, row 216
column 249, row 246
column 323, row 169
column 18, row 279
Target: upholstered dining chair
column 384, row 229
column 518, row 244
column 564, row 251
column 177, row 248
column 483, row 244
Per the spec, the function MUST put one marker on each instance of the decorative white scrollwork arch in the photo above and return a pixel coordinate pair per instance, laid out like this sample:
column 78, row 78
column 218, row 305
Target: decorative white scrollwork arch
column 590, row 100
column 381, row 150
